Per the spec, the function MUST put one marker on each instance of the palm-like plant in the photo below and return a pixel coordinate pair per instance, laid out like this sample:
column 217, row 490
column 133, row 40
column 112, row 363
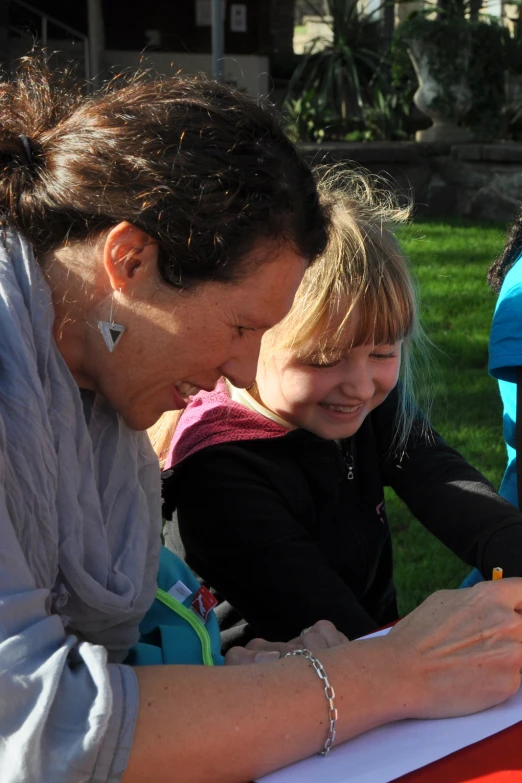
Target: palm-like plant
column 338, row 70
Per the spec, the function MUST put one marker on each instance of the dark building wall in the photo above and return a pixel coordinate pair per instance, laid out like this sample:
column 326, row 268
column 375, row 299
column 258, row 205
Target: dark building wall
column 127, row 20
column 72, row 13
column 4, row 17
column 282, row 27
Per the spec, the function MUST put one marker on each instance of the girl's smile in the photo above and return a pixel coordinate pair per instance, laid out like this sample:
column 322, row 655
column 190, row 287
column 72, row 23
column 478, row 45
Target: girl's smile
column 342, row 410
column 333, row 398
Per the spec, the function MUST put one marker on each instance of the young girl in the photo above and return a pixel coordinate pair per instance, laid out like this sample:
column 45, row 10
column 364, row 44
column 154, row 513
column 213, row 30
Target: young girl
column 291, row 526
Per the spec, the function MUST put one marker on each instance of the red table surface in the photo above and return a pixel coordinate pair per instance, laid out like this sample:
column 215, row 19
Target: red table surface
column 497, row 759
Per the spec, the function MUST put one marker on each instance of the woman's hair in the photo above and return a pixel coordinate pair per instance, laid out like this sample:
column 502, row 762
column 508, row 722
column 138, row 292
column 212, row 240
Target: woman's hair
column 201, row 168
column 363, row 267
column 513, row 249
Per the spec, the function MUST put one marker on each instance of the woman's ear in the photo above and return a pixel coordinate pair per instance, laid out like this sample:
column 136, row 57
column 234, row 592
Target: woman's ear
column 130, row 259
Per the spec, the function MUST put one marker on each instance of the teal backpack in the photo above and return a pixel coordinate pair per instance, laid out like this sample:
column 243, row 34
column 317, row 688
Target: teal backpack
column 171, row 631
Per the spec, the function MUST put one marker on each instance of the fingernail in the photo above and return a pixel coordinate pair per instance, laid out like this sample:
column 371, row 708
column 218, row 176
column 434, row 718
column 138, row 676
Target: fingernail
column 266, row 657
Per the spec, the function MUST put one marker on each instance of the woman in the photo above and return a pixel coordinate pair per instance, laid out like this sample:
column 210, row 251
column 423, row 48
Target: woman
column 152, row 233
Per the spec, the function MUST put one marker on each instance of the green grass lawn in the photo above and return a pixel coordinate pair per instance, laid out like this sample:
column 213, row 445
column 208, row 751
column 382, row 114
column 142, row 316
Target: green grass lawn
column 451, row 260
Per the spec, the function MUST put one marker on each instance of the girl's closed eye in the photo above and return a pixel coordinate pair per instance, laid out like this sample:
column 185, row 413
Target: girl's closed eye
column 322, row 364
column 388, row 352
column 382, row 356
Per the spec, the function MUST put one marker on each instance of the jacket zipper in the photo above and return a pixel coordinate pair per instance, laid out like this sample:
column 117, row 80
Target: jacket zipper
column 349, row 463
column 192, row 620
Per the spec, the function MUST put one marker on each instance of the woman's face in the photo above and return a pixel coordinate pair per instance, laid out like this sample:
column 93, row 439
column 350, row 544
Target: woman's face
column 329, row 399
column 177, row 343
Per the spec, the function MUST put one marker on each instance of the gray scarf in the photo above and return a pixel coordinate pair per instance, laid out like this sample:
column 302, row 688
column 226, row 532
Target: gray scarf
column 84, row 500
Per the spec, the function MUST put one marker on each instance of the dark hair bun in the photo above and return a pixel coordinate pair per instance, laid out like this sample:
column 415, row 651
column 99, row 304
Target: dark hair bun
column 200, row 167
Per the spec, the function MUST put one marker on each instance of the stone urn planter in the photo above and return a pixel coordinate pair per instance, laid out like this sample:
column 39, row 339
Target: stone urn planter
column 440, row 51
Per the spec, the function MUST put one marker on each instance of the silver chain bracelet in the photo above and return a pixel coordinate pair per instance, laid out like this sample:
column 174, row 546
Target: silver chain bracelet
column 328, row 692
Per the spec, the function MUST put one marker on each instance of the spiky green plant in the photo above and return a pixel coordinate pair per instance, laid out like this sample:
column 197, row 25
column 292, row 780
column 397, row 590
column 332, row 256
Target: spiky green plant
column 337, row 71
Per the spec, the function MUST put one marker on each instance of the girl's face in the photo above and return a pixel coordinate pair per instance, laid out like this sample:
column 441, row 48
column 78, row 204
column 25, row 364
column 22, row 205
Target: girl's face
column 330, row 399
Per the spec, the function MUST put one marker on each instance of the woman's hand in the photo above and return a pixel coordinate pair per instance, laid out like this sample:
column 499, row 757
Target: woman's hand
column 461, row 650
column 319, row 636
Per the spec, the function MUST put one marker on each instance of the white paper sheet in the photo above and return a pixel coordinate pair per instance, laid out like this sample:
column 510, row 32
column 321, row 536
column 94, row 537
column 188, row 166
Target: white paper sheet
column 386, row 753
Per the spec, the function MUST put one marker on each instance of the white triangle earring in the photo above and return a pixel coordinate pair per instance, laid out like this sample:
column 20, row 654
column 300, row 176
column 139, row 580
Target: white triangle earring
column 111, row 331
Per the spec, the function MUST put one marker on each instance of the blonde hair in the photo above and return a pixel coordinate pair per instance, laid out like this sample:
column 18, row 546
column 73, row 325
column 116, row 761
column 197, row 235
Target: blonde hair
column 363, row 267
column 161, row 434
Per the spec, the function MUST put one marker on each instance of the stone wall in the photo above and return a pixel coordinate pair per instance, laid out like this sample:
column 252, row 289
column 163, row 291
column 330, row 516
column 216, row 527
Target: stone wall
column 4, row 15
column 479, row 181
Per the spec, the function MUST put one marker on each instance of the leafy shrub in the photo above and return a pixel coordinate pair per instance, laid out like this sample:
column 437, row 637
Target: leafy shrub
column 333, row 80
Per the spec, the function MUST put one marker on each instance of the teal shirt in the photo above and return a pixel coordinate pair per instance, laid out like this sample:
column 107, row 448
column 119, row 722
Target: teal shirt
column 505, row 355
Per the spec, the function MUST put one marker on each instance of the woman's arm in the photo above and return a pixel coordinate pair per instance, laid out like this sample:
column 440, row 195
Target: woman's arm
column 65, row 715
column 458, row 653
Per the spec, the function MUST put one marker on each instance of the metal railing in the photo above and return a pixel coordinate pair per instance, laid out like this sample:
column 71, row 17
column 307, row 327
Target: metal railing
column 46, row 20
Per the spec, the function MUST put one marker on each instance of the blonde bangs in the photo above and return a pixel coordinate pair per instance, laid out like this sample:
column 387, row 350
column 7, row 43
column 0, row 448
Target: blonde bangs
column 362, row 263
column 361, row 286
column 388, row 303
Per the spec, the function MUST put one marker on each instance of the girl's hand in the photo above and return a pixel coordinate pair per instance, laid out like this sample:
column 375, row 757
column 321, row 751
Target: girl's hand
column 461, row 650
column 319, row 636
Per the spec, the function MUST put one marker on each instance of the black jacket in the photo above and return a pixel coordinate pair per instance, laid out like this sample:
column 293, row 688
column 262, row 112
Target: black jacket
column 279, row 528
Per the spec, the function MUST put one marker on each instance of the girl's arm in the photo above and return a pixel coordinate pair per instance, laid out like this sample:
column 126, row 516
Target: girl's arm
column 450, row 497
column 458, row 653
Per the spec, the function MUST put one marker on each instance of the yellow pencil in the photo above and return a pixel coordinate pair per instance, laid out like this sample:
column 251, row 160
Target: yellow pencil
column 498, row 573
